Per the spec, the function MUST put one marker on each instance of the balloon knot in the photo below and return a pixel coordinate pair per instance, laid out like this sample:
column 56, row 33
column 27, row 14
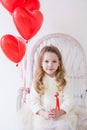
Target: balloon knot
column 17, row 65
column 27, row 42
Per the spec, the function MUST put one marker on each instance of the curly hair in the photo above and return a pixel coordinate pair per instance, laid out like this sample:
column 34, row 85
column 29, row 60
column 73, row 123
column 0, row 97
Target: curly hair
column 39, row 74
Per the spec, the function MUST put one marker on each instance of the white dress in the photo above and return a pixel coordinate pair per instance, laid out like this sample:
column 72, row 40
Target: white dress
column 66, row 122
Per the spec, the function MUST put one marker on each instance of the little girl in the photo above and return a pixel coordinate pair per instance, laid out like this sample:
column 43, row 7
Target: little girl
column 49, row 79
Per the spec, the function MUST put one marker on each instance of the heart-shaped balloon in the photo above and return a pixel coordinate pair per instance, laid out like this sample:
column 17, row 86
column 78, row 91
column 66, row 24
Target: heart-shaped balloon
column 14, row 48
column 31, row 5
column 10, row 5
column 27, row 22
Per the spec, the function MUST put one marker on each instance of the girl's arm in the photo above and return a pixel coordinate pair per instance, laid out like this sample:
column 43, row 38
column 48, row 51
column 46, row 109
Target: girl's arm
column 35, row 101
column 35, row 104
column 68, row 98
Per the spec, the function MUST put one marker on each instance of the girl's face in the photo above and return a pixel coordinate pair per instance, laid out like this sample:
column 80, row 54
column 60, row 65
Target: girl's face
column 50, row 63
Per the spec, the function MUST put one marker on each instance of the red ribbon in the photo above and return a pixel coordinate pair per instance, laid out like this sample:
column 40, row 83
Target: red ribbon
column 57, row 101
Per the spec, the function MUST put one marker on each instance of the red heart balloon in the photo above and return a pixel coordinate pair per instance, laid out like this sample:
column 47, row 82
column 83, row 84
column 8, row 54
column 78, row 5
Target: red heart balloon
column 10, row 5
column 27, row 22
column 31, row 5
column 13, row 48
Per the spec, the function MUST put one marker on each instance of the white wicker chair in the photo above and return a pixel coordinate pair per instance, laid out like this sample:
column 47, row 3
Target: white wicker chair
column 75, row 64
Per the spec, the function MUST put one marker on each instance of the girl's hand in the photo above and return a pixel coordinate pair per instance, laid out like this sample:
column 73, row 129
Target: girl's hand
column 44, row 113
column 55, row 114
column 51, row 114
column 47, row 114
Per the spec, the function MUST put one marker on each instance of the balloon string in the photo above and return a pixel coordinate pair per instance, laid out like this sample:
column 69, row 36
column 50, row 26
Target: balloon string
column 23, row 74
column 57, row 101
column 25, row 67
column 23, row 70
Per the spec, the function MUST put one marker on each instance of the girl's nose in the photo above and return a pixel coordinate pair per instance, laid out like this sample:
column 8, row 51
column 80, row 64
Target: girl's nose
column 50, row 64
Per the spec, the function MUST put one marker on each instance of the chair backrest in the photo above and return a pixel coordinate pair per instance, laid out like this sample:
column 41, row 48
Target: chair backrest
column 74, row 60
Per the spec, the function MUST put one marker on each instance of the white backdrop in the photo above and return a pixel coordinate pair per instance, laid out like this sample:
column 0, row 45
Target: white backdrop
column 62, row 16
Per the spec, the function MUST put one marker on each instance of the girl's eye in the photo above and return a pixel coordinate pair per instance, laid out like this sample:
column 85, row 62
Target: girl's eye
column 54, row 61
column 46, row 61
